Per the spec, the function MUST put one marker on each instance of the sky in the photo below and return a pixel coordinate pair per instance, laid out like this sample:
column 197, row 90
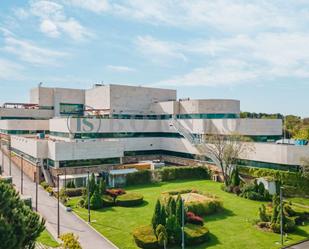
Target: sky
column 256, row 51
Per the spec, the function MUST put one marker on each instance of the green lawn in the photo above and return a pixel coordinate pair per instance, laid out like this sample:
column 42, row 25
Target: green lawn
column 231, row 229
column 47, row 240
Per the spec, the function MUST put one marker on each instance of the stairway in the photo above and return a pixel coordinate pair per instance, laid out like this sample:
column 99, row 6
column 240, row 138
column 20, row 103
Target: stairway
column 196, row 141
column 47, row 175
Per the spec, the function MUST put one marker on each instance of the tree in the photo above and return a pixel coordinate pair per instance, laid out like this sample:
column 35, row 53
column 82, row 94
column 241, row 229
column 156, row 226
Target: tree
column 262, row 213
column 156, row 218
column 92, row 184
column 96, row 200
column 172, row 207
column 179, row 204
column 225, row 150
column 162, row 236
column 102, row 186
column 70, row 241
column 19, row 225
column 163, row 216
column 305, row 167
column 235, row 177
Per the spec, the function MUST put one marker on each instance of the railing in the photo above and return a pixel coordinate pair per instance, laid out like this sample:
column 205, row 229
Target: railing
column 47, row 175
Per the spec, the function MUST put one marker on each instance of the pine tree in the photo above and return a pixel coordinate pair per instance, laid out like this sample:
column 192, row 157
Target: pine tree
column 163, row 216
column 157, row 215
column 96, row 200
column 235, row 177
column 102, row 186
column 179, row 204
column 172, row 207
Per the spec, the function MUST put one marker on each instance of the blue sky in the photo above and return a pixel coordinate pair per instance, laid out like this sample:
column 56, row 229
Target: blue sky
column 256, row 51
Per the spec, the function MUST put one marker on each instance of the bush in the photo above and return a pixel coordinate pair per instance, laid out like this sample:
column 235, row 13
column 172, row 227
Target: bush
column 70, row 184
column 194, row 219
column 70, row 241
column 195, row 234
column 107, row 201
column 177, row 173
column 74, row 192
column 255, row 192
column 96, row 200
column 49, row 189
column 45, row 185
column 115, row 192
column 129, row 200
column 139, row 177
column 144, row 237
column 204, row 208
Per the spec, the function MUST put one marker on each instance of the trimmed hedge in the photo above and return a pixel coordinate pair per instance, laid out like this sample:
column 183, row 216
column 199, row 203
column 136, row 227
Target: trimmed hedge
column 139, row 177
column 74, row 192
column 177, row 173
column 144, row 237
column 195, row 234
column 205, row 207
column 108, row 201
column 129, row 200
column 294, row 179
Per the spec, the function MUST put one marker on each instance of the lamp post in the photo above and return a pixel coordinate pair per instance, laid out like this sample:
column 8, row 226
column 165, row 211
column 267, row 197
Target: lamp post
column 183, row 224
column 1, row 166
column 10, row 159
column 37, row 185
column 58, row 208
column 281, row 215
column 88, row 190
column 22, row 174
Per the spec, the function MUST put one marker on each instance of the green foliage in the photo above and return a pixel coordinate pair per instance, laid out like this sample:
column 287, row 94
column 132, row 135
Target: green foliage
column 144, row 237
column 70, row 184
column 19, row 225
column 102, row 186
column 253, row 191
column 173, row 229
column 96, row 200
column 177, row 173
column 263, row 215
column 163, row 216
column 129, row 200
column 44, row 184
column 205, row 208
column 70, row 241
column 74, row 192
column 235, row 177
column 156, row 218
column 286, row 178
column 178, row 213
column 172, row 207
column 195, row 234
column 91, row 185
column 139, row 177
column 161, row 234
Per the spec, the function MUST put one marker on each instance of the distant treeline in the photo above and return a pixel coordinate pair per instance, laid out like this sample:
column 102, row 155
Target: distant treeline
column 295, row 127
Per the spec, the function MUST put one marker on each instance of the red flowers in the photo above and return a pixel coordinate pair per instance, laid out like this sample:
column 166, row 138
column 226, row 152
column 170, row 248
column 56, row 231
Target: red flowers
column 115, row 192
column 194, row 219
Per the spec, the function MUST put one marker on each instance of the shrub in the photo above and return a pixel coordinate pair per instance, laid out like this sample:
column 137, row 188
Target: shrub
column 194, row 219
column 144, row 237
column 44, row 184
column 102, row 186
column 139, row 177
column 129, row 200
column 49, row 189
column 107, row 201
column 74, row 192
column 204, row 208
column 70, row 241
column 96, row 201
column 195, row 234
column 70, row 184
column 181, row 172
column 115, row 192
column 156, row 215
column 162, row 236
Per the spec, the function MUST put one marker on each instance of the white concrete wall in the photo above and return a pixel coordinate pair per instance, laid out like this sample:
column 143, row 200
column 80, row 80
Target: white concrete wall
column 43, row 96
column 98, row 97
column 31, row 125
column 88, row 149
column 167, row 107
column 37, row 148
column 19, row 112
column 209, row 106
column 134, row 99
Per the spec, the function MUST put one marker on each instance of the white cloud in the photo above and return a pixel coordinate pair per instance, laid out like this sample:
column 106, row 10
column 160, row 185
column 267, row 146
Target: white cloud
column 9, row 70
column 49, row 28
column 29, row 52
column 159, row 51
column 97, row 6
column 54, row 22
column 120, row 69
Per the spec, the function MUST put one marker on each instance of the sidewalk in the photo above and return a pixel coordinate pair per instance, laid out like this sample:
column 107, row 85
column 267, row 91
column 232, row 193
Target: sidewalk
column 47, row 207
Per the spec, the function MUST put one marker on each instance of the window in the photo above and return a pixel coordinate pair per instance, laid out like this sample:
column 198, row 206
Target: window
column 71, row 109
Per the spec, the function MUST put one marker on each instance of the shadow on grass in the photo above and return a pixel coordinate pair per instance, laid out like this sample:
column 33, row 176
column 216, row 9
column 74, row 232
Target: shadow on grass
column 212, row 241
column 223, row 214
column 299, row 231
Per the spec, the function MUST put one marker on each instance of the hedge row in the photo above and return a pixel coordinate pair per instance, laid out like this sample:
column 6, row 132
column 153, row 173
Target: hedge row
column 168, row 174
column 293, row 179
column 74, row 192
column 129, row 200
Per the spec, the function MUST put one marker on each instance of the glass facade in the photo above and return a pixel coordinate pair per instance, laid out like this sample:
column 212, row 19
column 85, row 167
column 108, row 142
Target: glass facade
column 71, row 109
column 89, row 162
column 208, row 116
column 257, row 164
column 21, row 132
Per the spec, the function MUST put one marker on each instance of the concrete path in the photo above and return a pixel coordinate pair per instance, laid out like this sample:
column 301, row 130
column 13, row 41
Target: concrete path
column 47, row 207
column 303, row 245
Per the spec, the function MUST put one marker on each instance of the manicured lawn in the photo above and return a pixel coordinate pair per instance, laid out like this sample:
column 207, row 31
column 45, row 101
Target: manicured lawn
column 299, row 200
column 47, row 240
column 231, row 229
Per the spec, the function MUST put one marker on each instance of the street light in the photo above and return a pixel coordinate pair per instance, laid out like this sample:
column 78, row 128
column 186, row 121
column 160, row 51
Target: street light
column 10, row 158
column 88, row 190
column 1, row 166
column 58, row 207
column 183, row 224
column 281, row 215
column 22, row 174
column 36, row 184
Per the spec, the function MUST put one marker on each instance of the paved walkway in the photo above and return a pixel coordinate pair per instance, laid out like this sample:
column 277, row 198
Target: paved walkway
column 304, row 245
column 47, row 207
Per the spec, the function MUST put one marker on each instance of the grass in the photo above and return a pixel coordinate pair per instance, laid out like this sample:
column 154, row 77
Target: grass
column 233, row 228
column 47, row 240
column 299, row 200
